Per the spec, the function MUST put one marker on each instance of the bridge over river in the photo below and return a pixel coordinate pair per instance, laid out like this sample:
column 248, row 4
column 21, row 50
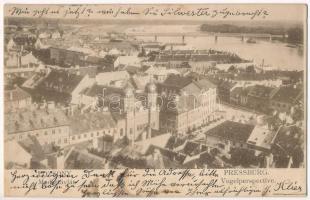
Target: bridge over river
column 200, row 34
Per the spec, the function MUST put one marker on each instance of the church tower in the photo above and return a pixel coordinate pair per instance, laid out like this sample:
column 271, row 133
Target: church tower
column 130, row 118
column 129, row 101
column 153, row 112
column 152, row 97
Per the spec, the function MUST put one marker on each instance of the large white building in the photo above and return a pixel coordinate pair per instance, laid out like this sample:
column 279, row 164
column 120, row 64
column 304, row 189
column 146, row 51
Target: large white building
column 186, row 104
column 49, row 126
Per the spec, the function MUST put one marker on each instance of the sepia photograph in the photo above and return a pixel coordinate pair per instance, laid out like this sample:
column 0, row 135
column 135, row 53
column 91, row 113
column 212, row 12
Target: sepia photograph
column 99, row 87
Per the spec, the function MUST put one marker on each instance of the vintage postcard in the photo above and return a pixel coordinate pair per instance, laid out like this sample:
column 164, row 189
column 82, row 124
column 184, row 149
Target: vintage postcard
column 179, row 100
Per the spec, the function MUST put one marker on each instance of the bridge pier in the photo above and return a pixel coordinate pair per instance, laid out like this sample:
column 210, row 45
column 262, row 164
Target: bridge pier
column 183, row 39
column 215, row 38
column 242, row 38
column 155, row 38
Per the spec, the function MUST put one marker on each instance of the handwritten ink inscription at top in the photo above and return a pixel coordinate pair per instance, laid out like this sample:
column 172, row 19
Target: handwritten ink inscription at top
column 81, row 11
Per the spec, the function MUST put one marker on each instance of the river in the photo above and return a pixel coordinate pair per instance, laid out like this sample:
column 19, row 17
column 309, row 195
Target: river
column 274, row 53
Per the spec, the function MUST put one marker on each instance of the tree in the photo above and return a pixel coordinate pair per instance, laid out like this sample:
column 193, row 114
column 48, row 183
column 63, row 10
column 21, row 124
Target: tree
column 232, row 69
column 250, row 69
column 142, row 53
column 295, row 35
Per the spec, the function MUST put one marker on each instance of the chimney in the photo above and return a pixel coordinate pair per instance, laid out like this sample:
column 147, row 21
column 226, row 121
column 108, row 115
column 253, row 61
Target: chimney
column 19, row 60
column 11, row 95
column 103, row 92
column 208, row 149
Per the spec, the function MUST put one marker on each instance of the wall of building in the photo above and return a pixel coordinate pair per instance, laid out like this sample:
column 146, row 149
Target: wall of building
column 91, row 135
column 223, row 144
column 15, row 105
column 183, row 122
column 57, row 135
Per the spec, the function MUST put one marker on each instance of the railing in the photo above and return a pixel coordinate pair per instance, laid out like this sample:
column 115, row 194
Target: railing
column 199, row 34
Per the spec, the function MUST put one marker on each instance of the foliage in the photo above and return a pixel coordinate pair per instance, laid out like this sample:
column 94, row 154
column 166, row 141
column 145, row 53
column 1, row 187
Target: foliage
column 295, row 35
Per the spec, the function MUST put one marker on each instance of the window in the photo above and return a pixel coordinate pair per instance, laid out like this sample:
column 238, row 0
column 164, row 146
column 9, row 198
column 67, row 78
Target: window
column 121, row 132
column 53, row 132
column 45, row 133
column 20, row 137
column 65, row 140
column 85, row 135
column 130, row 131
column 97, row 133
column 79, row 137
column 92, row 134
column 73, row 138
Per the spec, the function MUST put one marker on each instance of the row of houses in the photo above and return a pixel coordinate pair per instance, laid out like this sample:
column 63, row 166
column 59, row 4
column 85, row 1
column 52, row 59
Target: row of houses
column 176, row 101
column 264, row 98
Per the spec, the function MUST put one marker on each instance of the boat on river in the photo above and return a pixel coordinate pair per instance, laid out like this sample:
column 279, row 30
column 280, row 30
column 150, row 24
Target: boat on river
column 251, row 41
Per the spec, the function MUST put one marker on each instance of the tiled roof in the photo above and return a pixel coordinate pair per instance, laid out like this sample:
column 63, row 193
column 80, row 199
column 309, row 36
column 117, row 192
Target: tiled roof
column 288, row 138
column 92, row 121
column 206, row 84
column 174, row 142
column 176, row 157
column 191, row 148
column 16, row 94
column 94, row 59
column 232, row 131
column 28, row 120
column 32, row 146
column 177, row 81
column 240, row 91
column 287, row 94
column 79, row 159
column 61, row 81
column 227, row 84
column 90, row 70
column 261, row 91
column 94, row 90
